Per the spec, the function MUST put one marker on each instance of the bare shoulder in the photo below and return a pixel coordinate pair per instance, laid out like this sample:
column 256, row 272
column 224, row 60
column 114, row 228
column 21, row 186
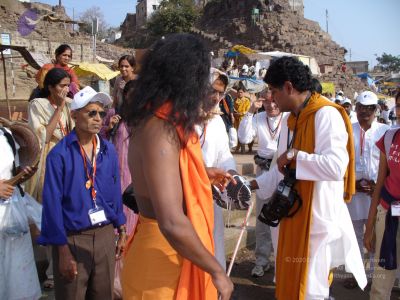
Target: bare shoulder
column 156, row 133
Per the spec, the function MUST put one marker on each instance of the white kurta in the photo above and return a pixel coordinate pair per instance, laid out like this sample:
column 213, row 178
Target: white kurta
column 18, row 275
column 332, row 238
column 214, row 143
column 256, row 126
column 353, row 117
column 367, row 166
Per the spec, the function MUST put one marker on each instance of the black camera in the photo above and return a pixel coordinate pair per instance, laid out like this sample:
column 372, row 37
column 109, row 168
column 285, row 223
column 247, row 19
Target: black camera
column 282, row 202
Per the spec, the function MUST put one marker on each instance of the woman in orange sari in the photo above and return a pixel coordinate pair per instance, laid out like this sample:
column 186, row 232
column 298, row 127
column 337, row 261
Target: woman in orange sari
column 171, row 255
column 63, row 56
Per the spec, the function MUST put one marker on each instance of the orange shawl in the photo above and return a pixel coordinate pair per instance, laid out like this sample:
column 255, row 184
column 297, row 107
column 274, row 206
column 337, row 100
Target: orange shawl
column 293, row 249
column 194, row 283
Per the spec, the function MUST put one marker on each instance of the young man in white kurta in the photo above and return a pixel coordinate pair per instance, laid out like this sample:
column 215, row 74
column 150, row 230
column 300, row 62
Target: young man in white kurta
column 367, row 161
column 332, row 240
column 267, row 129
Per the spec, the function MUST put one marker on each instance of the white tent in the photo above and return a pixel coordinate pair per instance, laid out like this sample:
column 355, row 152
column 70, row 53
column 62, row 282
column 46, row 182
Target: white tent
column 311, row 62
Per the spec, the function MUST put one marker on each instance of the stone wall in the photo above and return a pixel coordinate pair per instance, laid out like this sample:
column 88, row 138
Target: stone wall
column 44, row 39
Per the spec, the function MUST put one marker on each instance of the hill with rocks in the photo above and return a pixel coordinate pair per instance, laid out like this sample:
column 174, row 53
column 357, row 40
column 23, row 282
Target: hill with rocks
column 277, row 27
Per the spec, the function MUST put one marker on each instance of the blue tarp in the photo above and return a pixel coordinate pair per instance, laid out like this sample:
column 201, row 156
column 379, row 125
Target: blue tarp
column 231, row 53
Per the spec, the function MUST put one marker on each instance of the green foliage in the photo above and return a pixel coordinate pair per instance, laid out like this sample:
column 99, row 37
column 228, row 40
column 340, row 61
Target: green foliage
column 173, row 16
column 389, row 62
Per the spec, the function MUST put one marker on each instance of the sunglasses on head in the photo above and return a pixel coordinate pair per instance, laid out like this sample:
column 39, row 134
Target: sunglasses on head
column 93, row 113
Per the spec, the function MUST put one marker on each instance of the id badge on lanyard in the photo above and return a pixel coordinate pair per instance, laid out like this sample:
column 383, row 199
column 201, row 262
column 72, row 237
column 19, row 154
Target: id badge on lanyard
column 96, row 214
column 395, row 208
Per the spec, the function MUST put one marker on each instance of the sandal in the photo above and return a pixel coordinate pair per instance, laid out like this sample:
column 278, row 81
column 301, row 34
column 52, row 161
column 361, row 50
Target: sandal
column 350, row 283
column 48, row 284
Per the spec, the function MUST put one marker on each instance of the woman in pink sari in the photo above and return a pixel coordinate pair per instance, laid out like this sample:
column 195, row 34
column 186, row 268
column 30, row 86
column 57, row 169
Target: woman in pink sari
column 118, row 133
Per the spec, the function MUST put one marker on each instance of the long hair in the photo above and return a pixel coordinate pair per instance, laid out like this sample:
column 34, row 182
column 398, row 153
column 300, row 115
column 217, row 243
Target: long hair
column 175, row 70
column 52, row 78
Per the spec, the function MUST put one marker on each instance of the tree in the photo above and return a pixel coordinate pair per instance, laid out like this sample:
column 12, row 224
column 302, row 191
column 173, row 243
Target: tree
column 173, row 16
column 88, row 16
column 389, row 62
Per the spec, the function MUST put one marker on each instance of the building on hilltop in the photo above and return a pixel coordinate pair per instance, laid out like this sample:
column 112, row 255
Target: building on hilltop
column 144, row 10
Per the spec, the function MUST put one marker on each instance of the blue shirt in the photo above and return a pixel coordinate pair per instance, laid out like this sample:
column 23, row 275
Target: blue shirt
column 66, row 201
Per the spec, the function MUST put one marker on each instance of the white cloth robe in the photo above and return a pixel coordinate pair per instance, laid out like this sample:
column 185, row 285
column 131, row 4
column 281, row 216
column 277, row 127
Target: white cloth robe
column 214, row 143
column 18, row 274
column 256, row 126
column 332, row 238
column 367, row 166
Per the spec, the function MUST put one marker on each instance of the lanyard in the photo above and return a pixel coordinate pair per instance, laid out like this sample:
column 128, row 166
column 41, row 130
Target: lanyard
column 362, row 141
column 91, row 178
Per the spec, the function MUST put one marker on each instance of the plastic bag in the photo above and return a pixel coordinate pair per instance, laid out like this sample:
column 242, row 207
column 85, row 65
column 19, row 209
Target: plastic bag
column 33, row 210
column 13, row 218
column 233, row 138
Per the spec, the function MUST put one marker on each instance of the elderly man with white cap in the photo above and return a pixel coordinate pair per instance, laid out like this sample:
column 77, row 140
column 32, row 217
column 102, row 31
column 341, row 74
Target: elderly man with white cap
column 366, row 133
column 82, row 205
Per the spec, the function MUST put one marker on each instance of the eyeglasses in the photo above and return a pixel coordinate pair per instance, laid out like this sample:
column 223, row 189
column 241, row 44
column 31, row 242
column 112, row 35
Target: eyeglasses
column 370, row 108
column 94, row 113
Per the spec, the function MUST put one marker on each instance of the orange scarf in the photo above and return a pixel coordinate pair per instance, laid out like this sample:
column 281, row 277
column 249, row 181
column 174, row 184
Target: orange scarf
column 194, row 283
column 293, row 249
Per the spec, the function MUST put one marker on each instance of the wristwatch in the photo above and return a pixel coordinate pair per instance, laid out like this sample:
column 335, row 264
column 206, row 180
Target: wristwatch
column 290, row 154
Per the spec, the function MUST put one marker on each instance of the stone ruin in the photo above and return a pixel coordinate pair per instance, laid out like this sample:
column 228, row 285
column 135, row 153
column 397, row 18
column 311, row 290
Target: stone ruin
column 44, row 39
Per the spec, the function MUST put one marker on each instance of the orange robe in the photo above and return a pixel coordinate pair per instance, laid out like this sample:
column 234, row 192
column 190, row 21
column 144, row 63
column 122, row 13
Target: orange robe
column 294, row 234
column 160, row 273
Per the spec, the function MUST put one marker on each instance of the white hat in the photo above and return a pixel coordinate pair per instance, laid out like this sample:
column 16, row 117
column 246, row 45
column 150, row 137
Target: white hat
column 339, row 98
column 340, row 93
column 346, row 100
column 245, row 68
column 86, row 95
column 367, row 98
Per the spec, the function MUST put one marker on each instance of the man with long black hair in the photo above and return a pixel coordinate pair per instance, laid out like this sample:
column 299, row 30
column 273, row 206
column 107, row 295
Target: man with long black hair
column 172, row 252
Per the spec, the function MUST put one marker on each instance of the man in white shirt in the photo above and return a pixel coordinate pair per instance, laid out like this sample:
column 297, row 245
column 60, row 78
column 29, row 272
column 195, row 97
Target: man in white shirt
column 366, row 133
column 314, row 143
column 266, row 126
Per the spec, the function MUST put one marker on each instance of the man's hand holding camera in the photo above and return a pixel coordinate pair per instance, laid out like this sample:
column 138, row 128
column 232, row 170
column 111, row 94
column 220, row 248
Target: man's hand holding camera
column 286, row 158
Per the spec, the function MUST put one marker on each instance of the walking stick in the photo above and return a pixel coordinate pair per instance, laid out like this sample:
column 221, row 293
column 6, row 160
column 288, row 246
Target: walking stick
column 244, row 226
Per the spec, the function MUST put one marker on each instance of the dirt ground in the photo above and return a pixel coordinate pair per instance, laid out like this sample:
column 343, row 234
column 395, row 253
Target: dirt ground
column 250, row 288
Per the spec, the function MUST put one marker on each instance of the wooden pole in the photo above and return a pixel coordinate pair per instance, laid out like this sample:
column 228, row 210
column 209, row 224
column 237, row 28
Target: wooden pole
column 5, row 85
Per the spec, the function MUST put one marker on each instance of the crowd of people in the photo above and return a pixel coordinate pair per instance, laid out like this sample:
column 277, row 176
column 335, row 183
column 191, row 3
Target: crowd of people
column 327, row 181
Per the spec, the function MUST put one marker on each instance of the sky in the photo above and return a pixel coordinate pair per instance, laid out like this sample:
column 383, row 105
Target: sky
column 367, row 27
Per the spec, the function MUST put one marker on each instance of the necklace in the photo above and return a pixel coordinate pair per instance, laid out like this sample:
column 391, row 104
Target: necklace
column 273, row 132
